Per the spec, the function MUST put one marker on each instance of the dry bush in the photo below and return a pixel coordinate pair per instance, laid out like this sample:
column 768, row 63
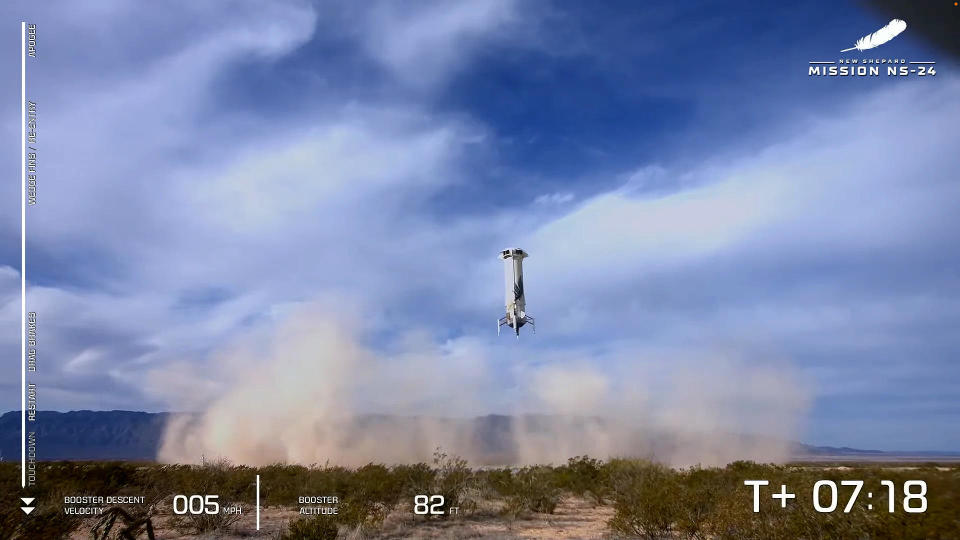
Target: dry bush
column 373, row 491
column 452, row 479
column 311, row 528
column 646, row 499
column 204, row 523
column 530, row 489
column 585, row 477
column 219, row 478
column 416, row 479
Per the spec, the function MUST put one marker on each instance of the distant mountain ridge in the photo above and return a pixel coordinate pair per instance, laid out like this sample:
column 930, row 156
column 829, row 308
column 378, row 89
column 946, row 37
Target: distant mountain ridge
column 136, row 436
column 87, row 435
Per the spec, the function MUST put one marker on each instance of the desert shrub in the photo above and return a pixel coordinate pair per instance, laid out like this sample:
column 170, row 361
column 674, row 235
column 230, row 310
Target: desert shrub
column 102, row 478
column 204, row 523
column 498, row 481
column 326, row 480
column 9, row 521
column 645, row 499
column 46, row 521
column 700, row 491
column 452, row 479
column 219, row 478
column 585, row 477
column 311, row 528
column 49, row 523
column 366, row 495
column 215, row 477
column 733, row 519
column 377, row 482
column 42, row 523
column 281, row 484
column 417, row 479
column 531, row 489
column 373, row 491
column 61, row 478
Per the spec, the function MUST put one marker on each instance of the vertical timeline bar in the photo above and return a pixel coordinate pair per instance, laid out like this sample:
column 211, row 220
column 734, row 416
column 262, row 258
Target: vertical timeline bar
column 23, row 254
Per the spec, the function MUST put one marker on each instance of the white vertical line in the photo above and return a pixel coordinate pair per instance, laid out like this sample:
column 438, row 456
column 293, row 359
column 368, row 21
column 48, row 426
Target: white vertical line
column 258, row 502
column 23, row 254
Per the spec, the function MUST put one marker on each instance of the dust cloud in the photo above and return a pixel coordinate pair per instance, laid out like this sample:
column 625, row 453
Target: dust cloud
column 311, row 392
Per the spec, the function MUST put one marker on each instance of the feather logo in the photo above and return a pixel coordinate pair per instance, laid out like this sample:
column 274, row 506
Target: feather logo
column 881, row 36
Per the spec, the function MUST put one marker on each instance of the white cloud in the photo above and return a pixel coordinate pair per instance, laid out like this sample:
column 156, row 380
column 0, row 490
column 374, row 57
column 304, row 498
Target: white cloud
column 557, row 199
column 269, row 217
column 819, row 193
column 423, row 43
column 317, row 175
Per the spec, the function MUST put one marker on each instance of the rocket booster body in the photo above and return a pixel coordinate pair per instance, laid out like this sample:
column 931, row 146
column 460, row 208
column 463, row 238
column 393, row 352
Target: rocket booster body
column 515, row 301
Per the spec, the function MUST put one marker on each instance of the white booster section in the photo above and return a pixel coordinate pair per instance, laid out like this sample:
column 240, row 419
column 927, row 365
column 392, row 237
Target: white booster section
column 515, row 301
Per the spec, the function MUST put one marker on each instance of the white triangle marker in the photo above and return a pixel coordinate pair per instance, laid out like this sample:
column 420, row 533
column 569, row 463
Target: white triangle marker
column 27, row 500
column 26, row 509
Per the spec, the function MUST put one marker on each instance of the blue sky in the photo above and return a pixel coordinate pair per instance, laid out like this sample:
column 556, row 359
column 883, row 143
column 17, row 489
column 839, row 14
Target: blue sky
column 699, row 212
